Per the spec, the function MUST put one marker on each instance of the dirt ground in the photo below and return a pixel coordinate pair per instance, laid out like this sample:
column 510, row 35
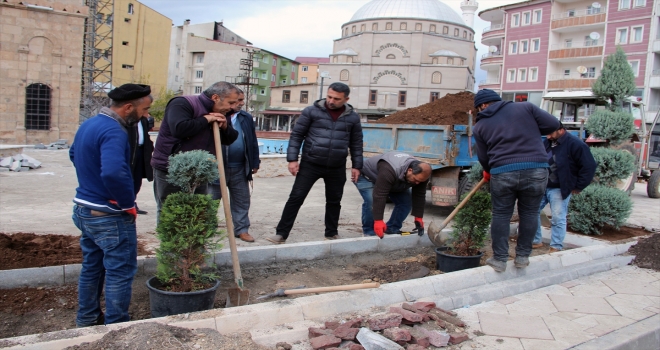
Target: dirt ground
column 450, row 109
column 647, row 252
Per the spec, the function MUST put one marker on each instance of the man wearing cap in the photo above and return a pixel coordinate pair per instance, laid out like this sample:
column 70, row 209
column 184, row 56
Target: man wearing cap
column 510, row 149
column 187, row 126
column 104, row 208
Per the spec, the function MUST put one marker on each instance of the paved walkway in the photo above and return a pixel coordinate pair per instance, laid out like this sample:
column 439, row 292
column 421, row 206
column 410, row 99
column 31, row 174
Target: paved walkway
column 564, row 315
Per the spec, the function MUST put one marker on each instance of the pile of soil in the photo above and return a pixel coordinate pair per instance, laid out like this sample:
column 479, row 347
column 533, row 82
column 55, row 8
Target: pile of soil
column 449, row 110
column 23, row 250
column 647, row 252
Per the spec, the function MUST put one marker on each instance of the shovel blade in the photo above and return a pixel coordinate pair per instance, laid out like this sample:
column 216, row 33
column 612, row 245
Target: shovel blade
column 237, row 297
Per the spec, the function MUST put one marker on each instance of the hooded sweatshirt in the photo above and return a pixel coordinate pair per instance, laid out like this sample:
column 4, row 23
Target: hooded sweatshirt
column 508, row 136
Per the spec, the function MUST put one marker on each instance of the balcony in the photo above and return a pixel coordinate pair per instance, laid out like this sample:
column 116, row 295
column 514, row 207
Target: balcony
column 572, row 81
column 491, row 59
column 492, row 34
column 588, row 17
column 656, row 45
column 569, row 50
column 489, row 84
column 654, row 82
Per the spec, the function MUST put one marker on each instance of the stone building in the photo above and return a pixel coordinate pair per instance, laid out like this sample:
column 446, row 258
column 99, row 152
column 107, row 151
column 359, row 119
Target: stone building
column 40, row 70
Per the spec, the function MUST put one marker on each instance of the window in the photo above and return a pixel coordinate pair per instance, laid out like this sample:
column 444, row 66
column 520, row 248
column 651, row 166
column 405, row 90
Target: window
column 538, row 16
column 418, row 27
column 526, row 18
column 346, row 31
column 436, row 78
column 353, row 29
column 624, row 4
column 524, row 46
column 568, row 43
column 177, row 65
column 125, row 43
column 622, row 36
column 432, row 28
column 635, row 67
column 636, row 34
column 127, row 66
column 511, row 76
column 403, row 26
column 402, row 98
column 388, row 26
column 536, row 45
column 513, row 47
column 198, row 89
column 434, row 96
column 274, row 61
column 640, row 3
column 363, row 28
column 456, row 31
column 515, row 20
column 522, row 74
column 390, row 57
column 373, row 96
column 37, row 107
column 199, row 74
column 305, row 68
column 304, row 97
column 272, row 77
column 262, row 92
column 533, row 74
column 588, row 41
column 571, row 13
column 591, row 72
column 343, row 75
column 265, row 59
column 303, row 79
column 286, row 96
column 199, row 58
column 450, row 61
column 445, row 30
column 130, row 9
column 374, row 27
column 593, row 10
column 465, row 34
column 264, row 75
column 567, row 72
column 178, row 51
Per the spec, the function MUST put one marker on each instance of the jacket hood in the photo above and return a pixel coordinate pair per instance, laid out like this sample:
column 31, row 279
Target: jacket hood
column 321, row 104
column 492, row 109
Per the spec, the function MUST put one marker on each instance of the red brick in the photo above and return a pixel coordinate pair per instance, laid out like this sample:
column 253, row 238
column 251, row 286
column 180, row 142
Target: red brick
column 354, row 323
column 314, row 332
column 407, row 315
column 438, row 339
column 410, row 307
column 424, row 306
column 324, row 342
column 384, row 321
column 446, row 317
column 441, row 323
column 416, row 347
column 397, row 334
column 448, row 312
column 346, row 333
column 418, row 336
column 356, row 347
column 456, row 338
column 331, row 325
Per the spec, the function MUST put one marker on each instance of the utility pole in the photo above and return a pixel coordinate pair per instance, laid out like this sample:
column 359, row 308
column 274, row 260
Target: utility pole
column 323, row 75
column 245, row 78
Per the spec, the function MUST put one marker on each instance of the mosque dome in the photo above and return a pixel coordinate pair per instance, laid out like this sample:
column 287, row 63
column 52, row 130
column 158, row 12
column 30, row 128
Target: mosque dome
column 422, row 9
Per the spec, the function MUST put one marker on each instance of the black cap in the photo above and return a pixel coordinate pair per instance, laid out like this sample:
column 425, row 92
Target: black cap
column 129, row 92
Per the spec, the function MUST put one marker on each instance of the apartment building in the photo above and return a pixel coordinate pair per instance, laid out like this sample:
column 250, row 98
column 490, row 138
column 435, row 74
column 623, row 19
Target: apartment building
column 539, row 46
column 308, row 71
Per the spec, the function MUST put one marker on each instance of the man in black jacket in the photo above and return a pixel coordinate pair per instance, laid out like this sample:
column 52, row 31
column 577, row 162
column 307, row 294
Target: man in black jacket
column 141, row 149
column 241, row 160
column 329, row 129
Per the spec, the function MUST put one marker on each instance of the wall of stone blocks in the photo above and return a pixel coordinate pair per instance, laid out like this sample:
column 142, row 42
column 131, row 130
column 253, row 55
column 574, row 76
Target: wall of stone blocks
column 40, row 46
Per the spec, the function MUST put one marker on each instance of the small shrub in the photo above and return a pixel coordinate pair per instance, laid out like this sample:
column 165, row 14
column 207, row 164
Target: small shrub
column 616, row 127
column 476, row 173
column 191, row 169
column 597, row 206
column 470, row 228
column 613, row 165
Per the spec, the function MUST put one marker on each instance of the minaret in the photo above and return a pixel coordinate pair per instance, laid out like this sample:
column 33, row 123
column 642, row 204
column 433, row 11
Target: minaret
column 469, row 7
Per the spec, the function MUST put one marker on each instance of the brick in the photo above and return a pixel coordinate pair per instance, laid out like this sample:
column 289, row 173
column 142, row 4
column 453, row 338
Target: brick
column 356, row 347
column 407, row 315
column 416, row 347
column 419, row 336
column 331, row 325
column 448, row 312
column 411, row 308
column 353, row 323
column 314, row 332
column 447, row 318
column 456, row 338
column 346, row 333
column 424, row 306
column 438, row 339
column 384, row 321
column 397, row 334
column 324, row 342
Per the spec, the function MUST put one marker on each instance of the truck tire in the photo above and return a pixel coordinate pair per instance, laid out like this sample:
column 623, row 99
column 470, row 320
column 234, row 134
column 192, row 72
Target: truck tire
column 653, row 186
column 464, row 186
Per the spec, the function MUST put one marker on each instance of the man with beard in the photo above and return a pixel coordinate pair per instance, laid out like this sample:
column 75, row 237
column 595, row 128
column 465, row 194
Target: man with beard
column 104, row 208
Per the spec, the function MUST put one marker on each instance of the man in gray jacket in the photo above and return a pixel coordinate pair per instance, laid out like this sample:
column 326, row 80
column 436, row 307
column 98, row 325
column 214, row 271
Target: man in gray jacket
column 329, row 128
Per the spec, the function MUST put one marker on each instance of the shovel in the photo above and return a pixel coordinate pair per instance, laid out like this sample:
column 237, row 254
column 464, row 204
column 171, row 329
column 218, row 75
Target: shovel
column 284, row 292
column 236, row 296
column 437, row 237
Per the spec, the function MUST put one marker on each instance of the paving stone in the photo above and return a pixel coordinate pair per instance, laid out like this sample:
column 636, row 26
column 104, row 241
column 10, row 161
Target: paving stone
column 379, row 322
column 596, row 289
column 324, row 342
column 15, row 166
column 633, row 287
column 508, row 300
column 629, row 309
column 514, row 326
column 18, row 157
column 6, row 162
column 585, row 305
column 397, row 334
column 607, row 324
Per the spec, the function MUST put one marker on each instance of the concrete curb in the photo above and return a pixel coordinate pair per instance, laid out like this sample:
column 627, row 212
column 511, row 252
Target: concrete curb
column 449, row 291
column 640, row 335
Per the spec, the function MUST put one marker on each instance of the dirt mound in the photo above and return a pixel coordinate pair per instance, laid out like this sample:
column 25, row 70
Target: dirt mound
column 23, row 250
column 156, row 336
column 647, row 252
column 451, row 109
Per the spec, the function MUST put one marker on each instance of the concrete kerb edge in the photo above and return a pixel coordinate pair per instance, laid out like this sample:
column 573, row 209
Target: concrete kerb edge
column 644, row 334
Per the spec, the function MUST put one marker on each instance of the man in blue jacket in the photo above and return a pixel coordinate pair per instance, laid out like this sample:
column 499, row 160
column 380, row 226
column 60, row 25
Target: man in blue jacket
column 510, row 149
column 572, row 167
column 241, row 160
column 104, row 207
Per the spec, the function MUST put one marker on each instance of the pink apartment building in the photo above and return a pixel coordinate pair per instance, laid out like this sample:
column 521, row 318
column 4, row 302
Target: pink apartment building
column 540, row 46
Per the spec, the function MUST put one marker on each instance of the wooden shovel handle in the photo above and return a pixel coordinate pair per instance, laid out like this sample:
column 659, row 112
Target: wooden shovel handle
column 462, row 204
column 332, row 289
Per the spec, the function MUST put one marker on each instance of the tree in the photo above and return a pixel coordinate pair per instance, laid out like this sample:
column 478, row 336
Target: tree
column 616, row 80
column 158, row 106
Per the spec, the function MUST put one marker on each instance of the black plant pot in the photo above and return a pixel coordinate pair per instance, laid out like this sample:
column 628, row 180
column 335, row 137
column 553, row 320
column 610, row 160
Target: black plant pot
column 449, row 263
column 164, row 303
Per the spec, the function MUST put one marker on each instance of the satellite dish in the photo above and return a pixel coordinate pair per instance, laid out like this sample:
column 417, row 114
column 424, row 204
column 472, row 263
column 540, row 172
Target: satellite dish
column 492, row 48
column 595, row 5
column 594, row 35
column 582, row 69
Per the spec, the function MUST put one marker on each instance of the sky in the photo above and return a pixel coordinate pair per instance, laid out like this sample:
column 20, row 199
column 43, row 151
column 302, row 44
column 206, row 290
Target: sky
column 291, row 28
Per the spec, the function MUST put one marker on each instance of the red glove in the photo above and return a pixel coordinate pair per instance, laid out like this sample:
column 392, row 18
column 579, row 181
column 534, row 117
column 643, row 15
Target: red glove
column 486, row 176
column 419, row 225
column 379, row 228
column 132, row 211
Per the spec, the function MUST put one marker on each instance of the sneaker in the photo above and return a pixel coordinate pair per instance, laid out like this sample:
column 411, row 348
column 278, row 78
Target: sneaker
column 277, row 239
column 392, row 232
column 537, row 245
column 521, row 262
column 332, row 238
column 499, row 266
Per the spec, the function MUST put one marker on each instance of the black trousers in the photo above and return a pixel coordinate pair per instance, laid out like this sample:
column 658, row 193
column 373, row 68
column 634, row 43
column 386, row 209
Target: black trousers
column 138, row 171
column 334, row 179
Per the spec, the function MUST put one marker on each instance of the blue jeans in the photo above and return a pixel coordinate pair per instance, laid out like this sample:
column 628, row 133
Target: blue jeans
column 526, row 187
column 402, row 207
column 559, row 208
column 109, row 247
column 239, row 195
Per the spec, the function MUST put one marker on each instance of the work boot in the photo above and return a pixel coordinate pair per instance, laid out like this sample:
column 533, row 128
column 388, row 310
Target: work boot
column 390, row 231
column 499, row 266
column 332, row 238
column 277, row 239
column 521, row 262
column 246, row 237
column 537, row 245
column 552, row 250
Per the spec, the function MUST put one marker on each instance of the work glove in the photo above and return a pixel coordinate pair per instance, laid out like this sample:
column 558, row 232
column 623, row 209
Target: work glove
column 379, row 228
column 486, row 176
column 132, row 211
column 419, row 225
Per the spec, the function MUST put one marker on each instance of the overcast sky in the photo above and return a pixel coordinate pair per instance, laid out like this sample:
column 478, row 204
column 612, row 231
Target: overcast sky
column 290, row 28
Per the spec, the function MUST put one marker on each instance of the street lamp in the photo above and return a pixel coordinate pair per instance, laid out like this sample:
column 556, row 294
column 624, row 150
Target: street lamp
column 324, row 74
